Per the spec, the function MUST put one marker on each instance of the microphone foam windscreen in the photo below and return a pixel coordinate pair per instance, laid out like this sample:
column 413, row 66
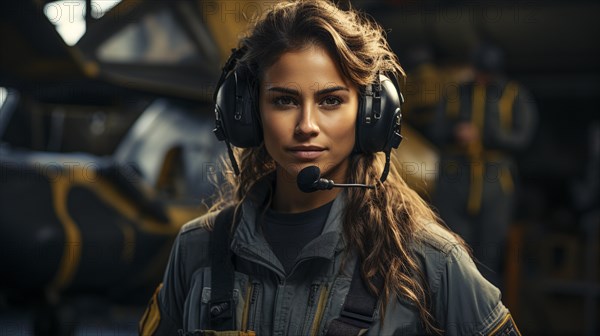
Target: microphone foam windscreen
column 308, row 178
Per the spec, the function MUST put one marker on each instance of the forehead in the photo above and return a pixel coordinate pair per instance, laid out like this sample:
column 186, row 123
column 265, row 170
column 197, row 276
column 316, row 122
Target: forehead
column 307, row 67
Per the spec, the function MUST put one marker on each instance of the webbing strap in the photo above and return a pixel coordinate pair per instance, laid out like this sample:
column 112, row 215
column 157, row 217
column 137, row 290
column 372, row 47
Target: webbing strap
column 357, row 313
column 359, row 308
column 221, row 305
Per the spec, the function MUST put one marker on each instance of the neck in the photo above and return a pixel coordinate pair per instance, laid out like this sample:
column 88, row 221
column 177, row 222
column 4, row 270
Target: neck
column 288, row 198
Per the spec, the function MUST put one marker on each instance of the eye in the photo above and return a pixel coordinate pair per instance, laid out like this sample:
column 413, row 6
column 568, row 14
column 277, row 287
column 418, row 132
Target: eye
column 284, row 101
column 331, row 102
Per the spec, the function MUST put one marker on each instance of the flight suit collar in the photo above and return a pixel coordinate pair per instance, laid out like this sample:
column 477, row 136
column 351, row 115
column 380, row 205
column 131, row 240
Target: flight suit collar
column 249, row 242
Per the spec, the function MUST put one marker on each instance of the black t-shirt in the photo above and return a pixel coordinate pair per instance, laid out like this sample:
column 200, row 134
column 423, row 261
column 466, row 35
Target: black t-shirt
column 288, row 233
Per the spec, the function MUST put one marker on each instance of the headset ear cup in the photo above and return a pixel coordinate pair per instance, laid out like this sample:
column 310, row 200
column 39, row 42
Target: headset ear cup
column 360, row 116
column 236, row 105
column 396, row 131
column 383, row 133
column 251, row 134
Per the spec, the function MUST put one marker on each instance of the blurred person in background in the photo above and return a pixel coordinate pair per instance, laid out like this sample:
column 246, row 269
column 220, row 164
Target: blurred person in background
column 423, row 87
column 478, row 128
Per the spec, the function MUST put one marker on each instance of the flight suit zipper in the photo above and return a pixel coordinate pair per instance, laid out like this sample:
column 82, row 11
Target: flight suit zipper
column 255, row 306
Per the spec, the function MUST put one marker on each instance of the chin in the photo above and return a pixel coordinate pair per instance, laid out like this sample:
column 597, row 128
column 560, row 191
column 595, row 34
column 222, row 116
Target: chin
column 294, row 168
column 327, row 168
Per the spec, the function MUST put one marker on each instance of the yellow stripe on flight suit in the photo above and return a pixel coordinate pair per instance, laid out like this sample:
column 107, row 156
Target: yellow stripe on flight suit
column 505, row 320
column 314, row 330
column 506, row 104
column 476, row 153
column 453, row 107
column 475, row 150
column 151, row 318
column 505, row 107
column 246, row 310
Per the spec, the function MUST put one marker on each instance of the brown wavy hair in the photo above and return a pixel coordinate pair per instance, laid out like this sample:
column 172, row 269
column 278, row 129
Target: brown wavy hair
column 379, row 224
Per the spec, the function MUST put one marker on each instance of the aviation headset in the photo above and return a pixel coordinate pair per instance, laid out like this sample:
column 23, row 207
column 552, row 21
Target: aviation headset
column 378, row 122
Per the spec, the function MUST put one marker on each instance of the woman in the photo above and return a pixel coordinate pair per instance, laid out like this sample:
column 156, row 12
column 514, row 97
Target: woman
column 309, row 87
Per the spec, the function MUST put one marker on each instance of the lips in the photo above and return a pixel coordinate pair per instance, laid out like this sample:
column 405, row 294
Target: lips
column 306, row 152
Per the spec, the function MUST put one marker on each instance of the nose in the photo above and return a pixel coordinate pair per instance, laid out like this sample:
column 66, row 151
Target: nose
column 308, row 122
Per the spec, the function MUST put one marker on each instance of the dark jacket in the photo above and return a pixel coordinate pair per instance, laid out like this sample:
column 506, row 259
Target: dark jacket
column 306, row 300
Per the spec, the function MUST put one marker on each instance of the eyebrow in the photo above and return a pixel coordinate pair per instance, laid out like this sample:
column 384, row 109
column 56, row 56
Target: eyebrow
column 318, row 93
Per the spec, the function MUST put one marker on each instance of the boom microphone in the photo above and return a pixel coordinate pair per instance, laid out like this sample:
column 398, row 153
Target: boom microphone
column 309, row 180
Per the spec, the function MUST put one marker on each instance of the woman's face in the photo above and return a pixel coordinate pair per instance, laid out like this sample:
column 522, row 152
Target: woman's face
column 308, row 112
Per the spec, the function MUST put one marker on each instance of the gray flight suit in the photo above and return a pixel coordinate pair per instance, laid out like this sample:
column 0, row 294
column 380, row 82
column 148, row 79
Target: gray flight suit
column 303, row 302
column 475, row 187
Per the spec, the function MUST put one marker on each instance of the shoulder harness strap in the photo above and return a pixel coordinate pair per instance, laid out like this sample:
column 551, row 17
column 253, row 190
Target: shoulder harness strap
column 221, row 305
column 358, row 313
